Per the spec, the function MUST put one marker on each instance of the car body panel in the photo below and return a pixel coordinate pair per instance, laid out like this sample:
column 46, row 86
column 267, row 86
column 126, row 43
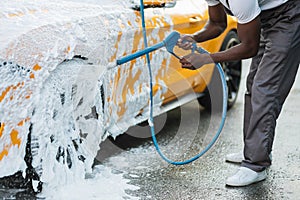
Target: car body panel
column 37, row 78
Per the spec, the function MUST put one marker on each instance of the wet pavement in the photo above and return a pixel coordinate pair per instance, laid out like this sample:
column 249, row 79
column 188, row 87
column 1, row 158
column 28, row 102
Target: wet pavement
column 205, row 178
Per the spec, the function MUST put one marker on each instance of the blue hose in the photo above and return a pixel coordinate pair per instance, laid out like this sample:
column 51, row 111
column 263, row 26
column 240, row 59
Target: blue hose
column 151, row 121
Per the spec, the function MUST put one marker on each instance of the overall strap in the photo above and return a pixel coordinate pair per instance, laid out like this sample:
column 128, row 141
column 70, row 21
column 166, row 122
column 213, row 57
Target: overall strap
column 228, row 11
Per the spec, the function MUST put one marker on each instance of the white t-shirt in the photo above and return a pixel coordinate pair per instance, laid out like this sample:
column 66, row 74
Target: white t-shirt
column 246, row 10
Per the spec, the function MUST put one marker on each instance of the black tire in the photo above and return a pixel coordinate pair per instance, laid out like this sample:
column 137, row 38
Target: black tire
column 232, row 70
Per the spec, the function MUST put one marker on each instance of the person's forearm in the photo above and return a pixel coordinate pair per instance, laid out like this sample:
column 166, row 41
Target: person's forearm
column 215, row 26
column 239, row 52
column 249, row 35
column 210, row 31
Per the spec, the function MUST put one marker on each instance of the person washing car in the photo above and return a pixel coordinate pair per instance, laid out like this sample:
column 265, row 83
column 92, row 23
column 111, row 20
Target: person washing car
column 269, row 32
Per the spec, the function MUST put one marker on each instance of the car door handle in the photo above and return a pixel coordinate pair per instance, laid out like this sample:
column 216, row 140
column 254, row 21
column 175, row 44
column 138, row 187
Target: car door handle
column 195, row 19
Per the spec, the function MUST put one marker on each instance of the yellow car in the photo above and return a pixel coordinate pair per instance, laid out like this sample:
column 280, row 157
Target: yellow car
column 61, row 93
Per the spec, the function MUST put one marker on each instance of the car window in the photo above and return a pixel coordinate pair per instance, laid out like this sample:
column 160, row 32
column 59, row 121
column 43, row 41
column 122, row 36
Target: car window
column 98, row 2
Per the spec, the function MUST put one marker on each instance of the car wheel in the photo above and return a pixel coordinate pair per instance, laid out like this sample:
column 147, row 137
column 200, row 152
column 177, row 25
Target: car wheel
column 232, row 72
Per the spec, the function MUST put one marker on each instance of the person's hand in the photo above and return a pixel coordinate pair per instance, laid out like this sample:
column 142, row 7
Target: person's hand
column 194, row 61
column 185, row 42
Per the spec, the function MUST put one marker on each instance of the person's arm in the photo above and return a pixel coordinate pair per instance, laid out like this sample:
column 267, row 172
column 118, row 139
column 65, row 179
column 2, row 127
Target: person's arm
column 249, row 35
column 215, row 25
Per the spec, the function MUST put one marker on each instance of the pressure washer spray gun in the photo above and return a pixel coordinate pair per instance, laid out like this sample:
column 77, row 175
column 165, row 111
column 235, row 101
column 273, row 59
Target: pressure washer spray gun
column 169, row 43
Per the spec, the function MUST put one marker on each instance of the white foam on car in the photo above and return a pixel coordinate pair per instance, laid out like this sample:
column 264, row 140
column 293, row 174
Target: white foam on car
column 52, row 98
column 59, row 102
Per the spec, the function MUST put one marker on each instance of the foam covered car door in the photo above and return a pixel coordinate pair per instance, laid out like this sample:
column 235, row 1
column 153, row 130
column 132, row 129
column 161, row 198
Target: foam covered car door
column 127, row 91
